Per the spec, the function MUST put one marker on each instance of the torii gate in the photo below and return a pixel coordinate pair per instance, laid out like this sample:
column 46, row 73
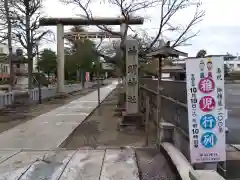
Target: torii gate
column 85, row 35
column 73, row 36
column 61, row 22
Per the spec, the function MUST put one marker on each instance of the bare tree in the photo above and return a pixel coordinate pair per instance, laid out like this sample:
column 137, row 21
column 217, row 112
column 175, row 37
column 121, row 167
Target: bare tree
column 3, row 22
column 6, row 23
column 3, row 26
column 26, row 29
column 168, row 9
column 9, row 35
column 127, row 9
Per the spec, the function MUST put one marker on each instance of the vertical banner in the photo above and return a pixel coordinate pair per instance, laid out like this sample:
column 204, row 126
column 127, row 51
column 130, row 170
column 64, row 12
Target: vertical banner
column 132, row 76
column 87, row 76
column 206, row 109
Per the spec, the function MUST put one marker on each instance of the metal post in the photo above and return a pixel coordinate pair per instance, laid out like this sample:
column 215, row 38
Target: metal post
column 12, row 77
column 98, row 83
column 159, row 94
column 98, row 88
column 60, row 55
column 39, row 82
column 227, row 131
column 78, row 73
column 147, row 120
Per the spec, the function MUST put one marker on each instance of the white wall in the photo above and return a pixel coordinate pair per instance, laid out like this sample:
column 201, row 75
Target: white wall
column 23, row 68
column 234, row 64
column 4, row 49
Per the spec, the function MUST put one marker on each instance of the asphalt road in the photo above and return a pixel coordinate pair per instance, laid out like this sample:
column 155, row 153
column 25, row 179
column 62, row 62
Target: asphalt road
column 232, row 96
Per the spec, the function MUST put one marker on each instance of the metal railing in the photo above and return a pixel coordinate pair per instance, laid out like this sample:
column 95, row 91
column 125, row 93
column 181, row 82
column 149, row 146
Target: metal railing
column 171, row 109
column 174, row 89
column 152, row 100
column 175, row 112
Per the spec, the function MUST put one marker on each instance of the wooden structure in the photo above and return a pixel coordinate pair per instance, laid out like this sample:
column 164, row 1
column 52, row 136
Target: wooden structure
column 163, row 52
column 90, row 35
column 87, row 22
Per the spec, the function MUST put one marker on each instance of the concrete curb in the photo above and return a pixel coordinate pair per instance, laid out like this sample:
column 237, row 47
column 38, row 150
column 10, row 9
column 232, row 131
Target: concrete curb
column 181, row 163
column 184, row 168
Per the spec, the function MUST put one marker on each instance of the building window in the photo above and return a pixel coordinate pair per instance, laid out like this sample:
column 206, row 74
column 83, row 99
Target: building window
column 238, row 65
column 18, row 65
column 5, row 69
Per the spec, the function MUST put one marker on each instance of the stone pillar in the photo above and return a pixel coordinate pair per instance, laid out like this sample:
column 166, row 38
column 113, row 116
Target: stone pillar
column 132, row 76
column 60, row 59
column 122, row 29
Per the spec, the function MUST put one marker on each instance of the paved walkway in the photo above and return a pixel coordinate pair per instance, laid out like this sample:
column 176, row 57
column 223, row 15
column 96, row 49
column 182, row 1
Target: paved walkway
column 19, row 114
column 31, row 150
column 85, row 164
column 49, row 130
column 102, row 129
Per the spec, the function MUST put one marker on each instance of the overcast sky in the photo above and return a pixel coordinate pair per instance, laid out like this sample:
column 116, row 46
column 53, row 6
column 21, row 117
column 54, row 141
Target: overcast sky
column 219, row 30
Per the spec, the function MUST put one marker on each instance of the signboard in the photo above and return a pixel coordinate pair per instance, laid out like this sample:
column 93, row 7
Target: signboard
column 132, row 76
column 108, row 66
column 206, row 109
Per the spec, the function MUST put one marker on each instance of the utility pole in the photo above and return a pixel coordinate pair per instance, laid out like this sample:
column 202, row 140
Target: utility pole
column 9, row 36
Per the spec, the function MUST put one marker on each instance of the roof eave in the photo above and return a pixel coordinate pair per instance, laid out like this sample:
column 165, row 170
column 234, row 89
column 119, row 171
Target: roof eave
column 167, row 52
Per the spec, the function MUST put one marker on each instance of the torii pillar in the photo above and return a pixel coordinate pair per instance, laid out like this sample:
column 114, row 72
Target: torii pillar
column 60, row 58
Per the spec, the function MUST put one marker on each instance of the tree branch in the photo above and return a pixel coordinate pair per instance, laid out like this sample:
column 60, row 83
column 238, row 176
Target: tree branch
column 173, row 7
column 196, row 19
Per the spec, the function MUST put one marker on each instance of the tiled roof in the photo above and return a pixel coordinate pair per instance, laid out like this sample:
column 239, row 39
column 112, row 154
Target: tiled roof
column 167, row 51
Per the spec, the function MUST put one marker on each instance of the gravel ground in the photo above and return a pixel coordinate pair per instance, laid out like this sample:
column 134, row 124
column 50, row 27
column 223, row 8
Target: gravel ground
column 103, row 130
column 14, row 116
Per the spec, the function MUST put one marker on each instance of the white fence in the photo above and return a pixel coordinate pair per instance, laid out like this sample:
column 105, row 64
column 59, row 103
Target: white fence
column 51, row 91
column 7, row 99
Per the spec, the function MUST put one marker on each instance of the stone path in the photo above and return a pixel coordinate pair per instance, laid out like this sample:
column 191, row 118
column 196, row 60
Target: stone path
column 30, row 151
column 102, row 129
column 15, row 115
column 49, row 130
column 84, row 164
